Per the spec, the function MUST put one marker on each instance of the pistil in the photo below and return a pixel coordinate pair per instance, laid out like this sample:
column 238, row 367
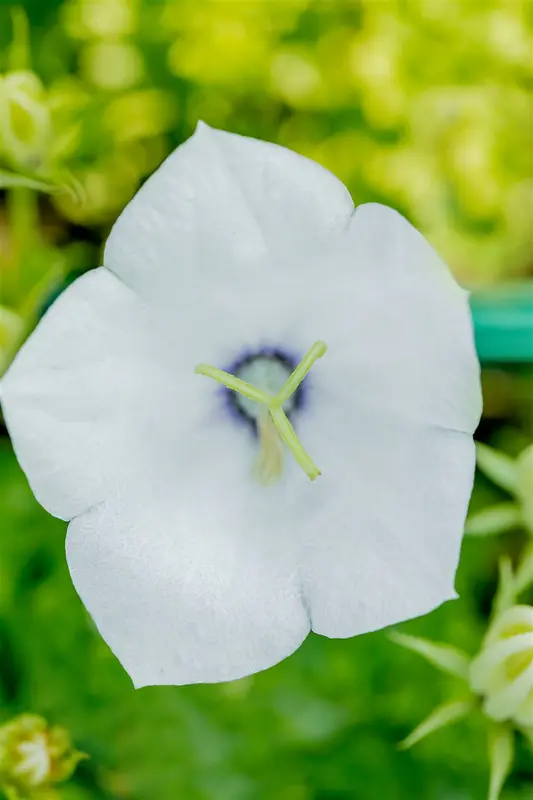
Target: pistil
column 273, row 425
column 269, row 465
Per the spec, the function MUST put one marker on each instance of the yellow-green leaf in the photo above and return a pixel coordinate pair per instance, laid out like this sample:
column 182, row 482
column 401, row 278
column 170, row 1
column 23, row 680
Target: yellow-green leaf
column 524, row 572
column 11, row 326
column 493, row 520
column 444, row 715
column 525, row 485
column 443, row 656
column 10, row 180
column 499, row 467
column 528, row 733
column 506, row 594
column 501, row 755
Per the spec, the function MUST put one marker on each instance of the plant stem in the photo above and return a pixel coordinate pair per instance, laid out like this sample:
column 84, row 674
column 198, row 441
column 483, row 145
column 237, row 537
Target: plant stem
column 22, row 215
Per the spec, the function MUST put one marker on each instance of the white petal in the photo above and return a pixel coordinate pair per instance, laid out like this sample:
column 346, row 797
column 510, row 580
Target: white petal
column 398, row 326
column 382, row 533
column 182, row 581
column 222, row 202
column 93, row 396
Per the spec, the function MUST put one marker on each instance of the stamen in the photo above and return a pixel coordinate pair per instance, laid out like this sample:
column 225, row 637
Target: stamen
column 275, row 421
column 232, row 382
column 288, row 434
column 294, row 380
column 269, row 465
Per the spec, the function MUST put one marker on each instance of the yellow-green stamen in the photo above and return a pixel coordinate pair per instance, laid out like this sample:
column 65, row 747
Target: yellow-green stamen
column 288, row 435
column 234, row 383
column 295, row 379
column 269, row 465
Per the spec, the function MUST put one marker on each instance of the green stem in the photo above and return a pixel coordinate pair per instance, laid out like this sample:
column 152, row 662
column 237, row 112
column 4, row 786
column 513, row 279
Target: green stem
column 22, row 214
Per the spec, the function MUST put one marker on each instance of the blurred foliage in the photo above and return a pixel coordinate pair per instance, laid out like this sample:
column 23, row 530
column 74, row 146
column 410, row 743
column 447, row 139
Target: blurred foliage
column 421, row 104
column 424, row 104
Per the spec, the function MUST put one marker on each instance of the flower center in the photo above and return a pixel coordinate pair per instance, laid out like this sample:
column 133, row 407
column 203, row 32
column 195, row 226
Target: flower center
column 269, row 400
column 267, row 370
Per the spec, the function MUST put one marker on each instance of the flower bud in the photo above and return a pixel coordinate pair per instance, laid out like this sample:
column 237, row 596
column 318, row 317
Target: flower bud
column 34, row 756
column 25, row 129
column 502, row 673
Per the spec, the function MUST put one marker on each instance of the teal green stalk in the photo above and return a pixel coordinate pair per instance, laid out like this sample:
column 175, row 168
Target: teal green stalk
column 503, row 324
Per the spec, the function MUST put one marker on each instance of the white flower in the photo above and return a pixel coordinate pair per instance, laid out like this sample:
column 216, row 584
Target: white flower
column 503, row 671
column 242, row 254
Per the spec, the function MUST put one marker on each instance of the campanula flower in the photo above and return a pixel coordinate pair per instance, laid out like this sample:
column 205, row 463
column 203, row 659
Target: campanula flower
column 257, row 416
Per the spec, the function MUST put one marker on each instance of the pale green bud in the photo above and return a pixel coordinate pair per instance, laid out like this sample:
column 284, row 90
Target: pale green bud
column 25, row 127
column 502, row 672
column 34, row 756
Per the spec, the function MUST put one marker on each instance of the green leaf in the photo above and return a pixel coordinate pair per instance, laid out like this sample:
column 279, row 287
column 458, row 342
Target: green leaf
column 525, row 485
column 506, row 594
column 496, row 519
column 11, row 326
column 11, row 331
column 524, row 572
column 528, row 734
column 65, row 183
column 12, row 793
column 501, row 755
column 443, row 656
column 11, row 180
column 499, row 467
column 444, row 715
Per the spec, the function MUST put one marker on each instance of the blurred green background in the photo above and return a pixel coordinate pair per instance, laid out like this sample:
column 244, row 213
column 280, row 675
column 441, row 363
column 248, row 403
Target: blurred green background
column 424, row 105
